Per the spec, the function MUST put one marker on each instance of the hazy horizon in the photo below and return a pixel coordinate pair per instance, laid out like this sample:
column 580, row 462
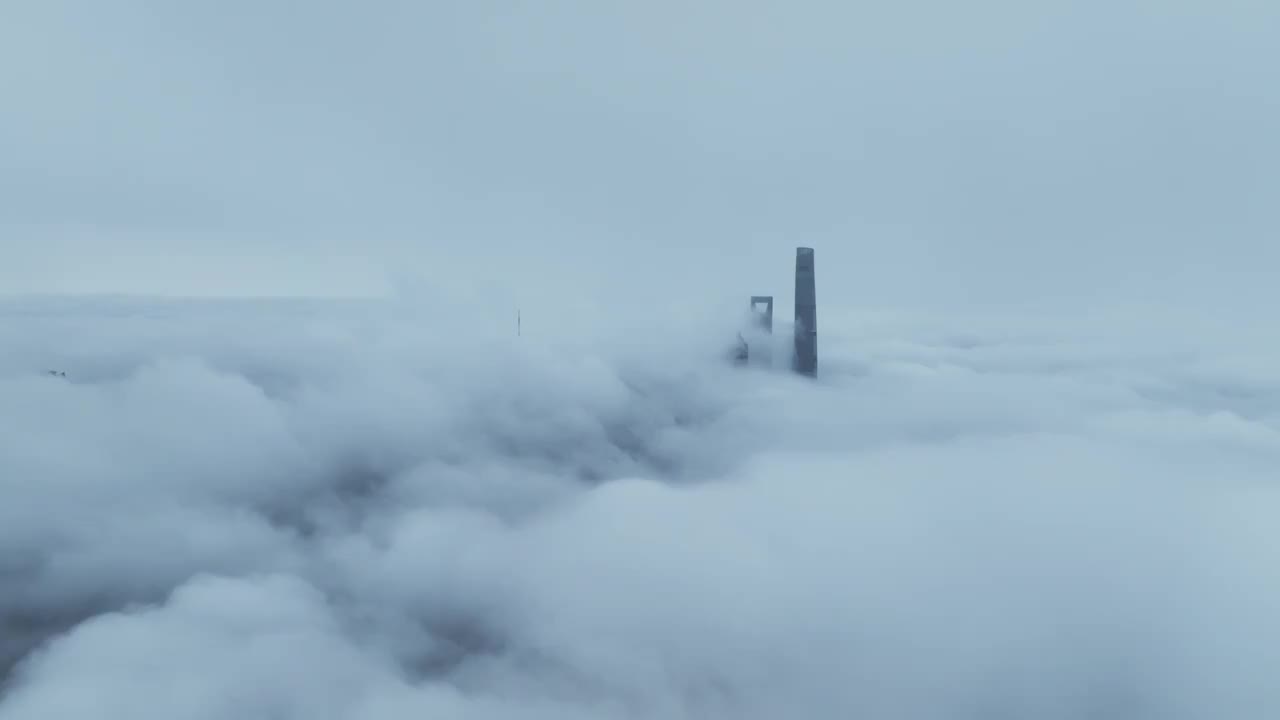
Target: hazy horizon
column 936, row 155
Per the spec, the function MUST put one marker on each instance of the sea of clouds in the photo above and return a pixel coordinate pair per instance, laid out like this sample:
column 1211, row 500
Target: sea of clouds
column 368, row 510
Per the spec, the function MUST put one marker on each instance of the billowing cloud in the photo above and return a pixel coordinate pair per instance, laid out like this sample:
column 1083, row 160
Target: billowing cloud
column 335, row 510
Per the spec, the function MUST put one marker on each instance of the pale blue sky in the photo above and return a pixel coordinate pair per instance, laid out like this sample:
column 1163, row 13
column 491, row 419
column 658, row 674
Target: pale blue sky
column 934, row 152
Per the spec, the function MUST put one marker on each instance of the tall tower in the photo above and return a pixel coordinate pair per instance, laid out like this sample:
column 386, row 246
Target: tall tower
column 806, row 355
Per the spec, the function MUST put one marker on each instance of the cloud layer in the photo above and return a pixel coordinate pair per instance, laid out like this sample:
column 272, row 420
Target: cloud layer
column 335, row 510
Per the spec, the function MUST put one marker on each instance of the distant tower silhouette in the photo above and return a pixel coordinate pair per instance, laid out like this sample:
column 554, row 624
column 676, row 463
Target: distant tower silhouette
column 806, row 326
column 765, row 319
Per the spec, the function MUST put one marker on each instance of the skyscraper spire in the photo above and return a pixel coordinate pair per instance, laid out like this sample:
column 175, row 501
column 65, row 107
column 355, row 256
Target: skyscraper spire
column 806, row 326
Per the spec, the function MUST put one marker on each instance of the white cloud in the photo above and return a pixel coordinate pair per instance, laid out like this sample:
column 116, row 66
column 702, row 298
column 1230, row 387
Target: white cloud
column 335, row 510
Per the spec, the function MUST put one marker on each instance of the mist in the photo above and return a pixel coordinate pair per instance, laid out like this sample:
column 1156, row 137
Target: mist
column 369, row 362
